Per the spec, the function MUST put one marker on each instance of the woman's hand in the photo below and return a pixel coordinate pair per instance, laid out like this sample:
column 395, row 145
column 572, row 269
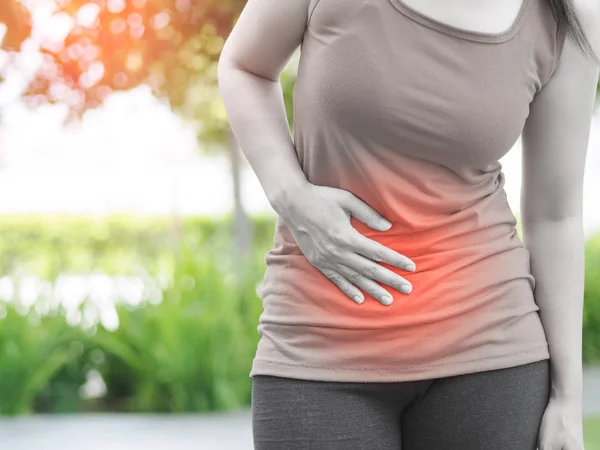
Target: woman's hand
column 319, row 219
column 562, row 426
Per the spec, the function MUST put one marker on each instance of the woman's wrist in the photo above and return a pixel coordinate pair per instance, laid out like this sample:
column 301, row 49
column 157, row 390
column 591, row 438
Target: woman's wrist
column 280, row 195
column 569, row 388
column 568, row 394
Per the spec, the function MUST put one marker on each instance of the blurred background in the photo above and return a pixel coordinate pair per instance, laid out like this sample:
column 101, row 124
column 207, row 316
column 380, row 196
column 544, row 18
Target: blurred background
column 133, row 231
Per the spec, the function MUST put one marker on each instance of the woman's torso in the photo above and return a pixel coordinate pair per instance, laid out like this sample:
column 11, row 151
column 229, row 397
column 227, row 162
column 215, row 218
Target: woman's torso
column 412, row 116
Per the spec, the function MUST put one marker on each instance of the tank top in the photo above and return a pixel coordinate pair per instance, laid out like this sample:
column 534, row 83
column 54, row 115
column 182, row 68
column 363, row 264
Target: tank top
column 412, row 116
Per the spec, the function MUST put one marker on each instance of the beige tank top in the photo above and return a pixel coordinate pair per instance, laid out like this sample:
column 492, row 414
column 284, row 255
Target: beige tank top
column 412, row 116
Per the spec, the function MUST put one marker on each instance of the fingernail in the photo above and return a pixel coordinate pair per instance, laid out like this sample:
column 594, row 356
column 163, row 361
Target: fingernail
column 358, row 299
column 386, row 299
column 410, row 267
column 385, row 224
column 406, row 288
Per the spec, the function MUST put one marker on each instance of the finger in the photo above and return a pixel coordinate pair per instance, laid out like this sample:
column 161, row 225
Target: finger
column 347, row 288
column 363, row 212
column 366, row 284
column 376, row 251
column 375, row 271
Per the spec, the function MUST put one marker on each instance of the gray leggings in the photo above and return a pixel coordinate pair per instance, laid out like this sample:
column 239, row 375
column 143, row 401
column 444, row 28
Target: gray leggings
column 490, row 410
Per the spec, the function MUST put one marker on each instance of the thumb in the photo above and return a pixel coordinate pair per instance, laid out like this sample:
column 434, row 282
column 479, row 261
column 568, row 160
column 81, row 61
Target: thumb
column 363, row 212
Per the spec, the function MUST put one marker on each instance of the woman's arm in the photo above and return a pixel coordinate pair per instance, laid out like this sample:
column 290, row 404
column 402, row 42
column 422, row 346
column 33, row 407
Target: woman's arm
column 555, row 141
column 263, row 40
column 318, row 217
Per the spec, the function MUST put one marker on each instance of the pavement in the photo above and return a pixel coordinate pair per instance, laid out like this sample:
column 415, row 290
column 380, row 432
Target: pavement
column 211, row 431
column 229, row 431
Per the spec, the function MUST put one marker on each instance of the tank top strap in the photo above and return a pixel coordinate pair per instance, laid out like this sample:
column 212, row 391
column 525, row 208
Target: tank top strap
column 545, row 37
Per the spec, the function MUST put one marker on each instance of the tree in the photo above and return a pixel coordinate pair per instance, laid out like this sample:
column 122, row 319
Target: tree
column 171, row 45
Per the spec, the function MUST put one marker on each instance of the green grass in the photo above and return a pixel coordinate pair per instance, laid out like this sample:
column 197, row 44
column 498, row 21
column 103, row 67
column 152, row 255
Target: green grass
column 591, row 432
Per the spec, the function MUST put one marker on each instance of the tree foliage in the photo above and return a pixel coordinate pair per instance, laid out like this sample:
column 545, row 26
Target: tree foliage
column 18, row 24
column 170, row 45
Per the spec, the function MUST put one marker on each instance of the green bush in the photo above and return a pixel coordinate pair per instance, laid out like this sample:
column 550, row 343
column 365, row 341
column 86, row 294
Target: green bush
column 47, row 246
column 197, row 344
column 591, row 310
column 192, row 351
column 33, row 350
column 189, row 351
